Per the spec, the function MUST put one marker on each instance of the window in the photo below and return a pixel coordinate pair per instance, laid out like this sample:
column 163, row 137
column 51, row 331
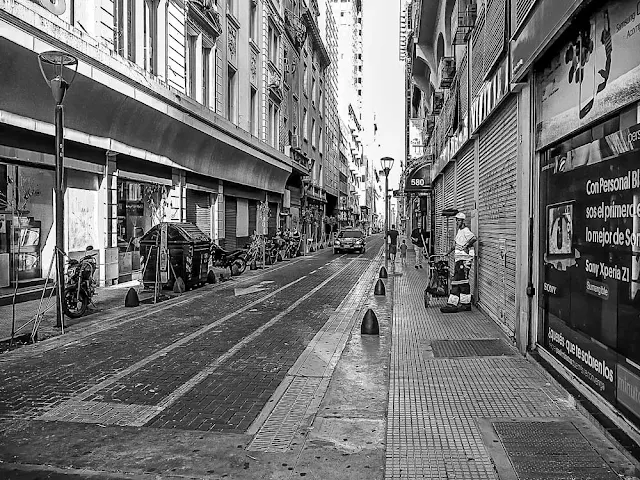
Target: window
column 274, row 119
column 231, row 7
column 274, row 44
column 305, row 124
column 231, row 94
column 313, row 132
column 192, row 42
column 305, row 80
column 131, row 31
column 253, row 20
column 206, row 76
column 313, row 91
column 253, row 112
column 150, row 11
column 118, row 26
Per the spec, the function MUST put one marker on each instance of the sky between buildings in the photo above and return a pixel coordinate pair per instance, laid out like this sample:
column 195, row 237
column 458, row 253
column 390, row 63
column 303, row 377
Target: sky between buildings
column 383, row 83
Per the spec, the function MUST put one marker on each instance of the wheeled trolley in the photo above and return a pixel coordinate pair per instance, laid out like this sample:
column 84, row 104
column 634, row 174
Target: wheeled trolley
column 438, row 283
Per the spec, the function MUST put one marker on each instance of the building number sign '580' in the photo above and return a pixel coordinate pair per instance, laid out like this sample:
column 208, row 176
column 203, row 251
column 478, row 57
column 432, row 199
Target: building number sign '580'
column 417, row 182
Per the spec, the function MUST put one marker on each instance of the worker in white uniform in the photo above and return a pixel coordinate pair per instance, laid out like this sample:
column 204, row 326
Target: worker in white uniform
column 460, row 296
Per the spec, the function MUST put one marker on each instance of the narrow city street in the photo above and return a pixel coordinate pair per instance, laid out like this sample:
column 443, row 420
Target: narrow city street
column 183, row 387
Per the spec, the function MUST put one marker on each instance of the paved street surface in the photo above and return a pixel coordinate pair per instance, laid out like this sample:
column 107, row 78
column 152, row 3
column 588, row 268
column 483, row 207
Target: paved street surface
column 267, row 376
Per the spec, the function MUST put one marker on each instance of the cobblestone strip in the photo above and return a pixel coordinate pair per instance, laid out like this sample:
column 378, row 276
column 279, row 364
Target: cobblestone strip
column 295, row 405
column 434, row 404
column 146, row 413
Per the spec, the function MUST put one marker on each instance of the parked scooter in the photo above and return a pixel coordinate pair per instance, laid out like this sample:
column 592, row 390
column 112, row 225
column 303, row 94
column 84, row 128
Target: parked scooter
column 80, row 286
column 235, row 260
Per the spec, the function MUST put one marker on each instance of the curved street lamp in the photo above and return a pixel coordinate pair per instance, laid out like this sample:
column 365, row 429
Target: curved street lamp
column 387, row 164
column 57, row 61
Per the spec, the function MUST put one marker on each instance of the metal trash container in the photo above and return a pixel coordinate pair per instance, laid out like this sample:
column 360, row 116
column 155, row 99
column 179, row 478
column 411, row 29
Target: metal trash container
column 188, row 249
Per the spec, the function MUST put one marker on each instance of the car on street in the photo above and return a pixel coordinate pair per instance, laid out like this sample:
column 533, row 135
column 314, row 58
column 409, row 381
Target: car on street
column 349, row 240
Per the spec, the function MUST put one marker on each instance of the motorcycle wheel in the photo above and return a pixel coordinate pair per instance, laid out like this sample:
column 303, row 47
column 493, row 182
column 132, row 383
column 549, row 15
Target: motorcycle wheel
column 273, row 254
column 74, row 307
column 238, row 266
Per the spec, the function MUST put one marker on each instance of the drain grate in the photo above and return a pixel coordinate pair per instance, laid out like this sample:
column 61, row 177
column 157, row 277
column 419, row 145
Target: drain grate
column 551, row 451
column 471, row 348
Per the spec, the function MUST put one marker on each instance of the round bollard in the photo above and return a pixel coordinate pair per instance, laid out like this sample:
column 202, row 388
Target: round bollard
column 379, row 289
column 383, row 273
column 370, row 324
column 131, row 300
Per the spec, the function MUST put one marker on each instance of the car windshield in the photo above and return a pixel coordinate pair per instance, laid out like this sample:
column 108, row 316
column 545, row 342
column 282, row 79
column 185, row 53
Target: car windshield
column 350, row 234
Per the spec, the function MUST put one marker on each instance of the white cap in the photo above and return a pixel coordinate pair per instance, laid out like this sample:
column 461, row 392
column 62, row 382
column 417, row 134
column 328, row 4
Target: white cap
column 460, row 216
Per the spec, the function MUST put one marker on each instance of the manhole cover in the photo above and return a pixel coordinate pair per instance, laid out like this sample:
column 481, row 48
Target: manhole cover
column 551, row 451
column 470, row 348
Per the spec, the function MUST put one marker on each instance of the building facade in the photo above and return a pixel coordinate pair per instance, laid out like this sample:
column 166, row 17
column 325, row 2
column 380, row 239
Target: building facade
column 174, row 103
column 535, row 139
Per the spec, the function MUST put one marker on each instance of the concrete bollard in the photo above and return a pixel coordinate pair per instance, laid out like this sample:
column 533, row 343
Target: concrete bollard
column 370, row 324
column 131, row 299
column 379, row 289
column 383, row 273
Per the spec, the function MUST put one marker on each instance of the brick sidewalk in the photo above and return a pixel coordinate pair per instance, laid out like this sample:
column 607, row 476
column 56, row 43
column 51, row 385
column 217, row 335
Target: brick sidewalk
column 456, row 381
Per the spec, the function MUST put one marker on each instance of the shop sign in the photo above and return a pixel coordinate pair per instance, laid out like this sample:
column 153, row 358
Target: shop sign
column 419, row 180
column 594, row 364
column 594, row 74
column 164, row 257
column 491, row 92
column 628, row 389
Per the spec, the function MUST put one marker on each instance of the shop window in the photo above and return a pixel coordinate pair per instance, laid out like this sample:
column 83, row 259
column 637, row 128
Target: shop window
column 253, row 112
column 150, row 35
column 253, row 21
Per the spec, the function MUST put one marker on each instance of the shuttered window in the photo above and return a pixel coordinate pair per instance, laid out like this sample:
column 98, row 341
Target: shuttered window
column 199, row 210
column 497, row 215
column 230, row 222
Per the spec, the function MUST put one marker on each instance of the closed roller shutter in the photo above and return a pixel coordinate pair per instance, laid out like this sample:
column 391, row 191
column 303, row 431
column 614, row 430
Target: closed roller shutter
column 449, row 202
column 230, row 222
column 497, row 215
column 439, row 199
column 273, row 214
column 253, row 216
column 199, row 210
column 465, row 193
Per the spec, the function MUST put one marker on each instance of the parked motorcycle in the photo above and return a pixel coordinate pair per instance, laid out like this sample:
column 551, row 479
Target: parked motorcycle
column 80, row 286
column 235, row 260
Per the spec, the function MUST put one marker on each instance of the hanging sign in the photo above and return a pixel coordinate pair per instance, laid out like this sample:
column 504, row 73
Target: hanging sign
column 164, row 256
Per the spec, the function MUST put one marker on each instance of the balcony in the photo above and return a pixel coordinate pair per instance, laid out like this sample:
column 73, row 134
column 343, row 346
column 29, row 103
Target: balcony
column 437, row 101
column 447, row 71
column 462, row 24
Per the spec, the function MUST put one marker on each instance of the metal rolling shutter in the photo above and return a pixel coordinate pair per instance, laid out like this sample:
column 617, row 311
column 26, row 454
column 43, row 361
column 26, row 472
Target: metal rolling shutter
column 199, row 210
column 449, row 224
column 230, row 222
column 253, row 216
column 497, row 215
column 465, row 192
column 273, row 214
column 438, row 188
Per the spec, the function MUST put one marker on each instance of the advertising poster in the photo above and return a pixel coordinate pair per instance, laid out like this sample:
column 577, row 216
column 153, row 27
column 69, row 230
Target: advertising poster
column 596, row 72
column 591, row 274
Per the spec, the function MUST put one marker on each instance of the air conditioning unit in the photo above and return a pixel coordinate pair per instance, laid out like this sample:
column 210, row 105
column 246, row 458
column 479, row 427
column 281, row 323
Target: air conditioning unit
column 447, row 70
column 295, row 142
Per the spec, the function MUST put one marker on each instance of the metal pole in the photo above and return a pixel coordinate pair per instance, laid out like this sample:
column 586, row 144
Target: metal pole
column 59, row 215
column 386, row 219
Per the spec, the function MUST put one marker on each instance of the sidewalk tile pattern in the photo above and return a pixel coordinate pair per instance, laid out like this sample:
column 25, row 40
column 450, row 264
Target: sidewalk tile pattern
column 432, row 431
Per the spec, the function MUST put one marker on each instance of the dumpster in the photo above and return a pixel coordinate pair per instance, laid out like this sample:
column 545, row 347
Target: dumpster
column 188, row 254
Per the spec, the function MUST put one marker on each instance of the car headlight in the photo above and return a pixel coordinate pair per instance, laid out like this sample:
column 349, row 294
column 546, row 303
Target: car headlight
column 337, row 242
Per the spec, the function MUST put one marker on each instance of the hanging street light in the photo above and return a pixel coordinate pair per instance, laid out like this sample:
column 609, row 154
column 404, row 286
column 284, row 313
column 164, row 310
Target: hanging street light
column 387, row 164
column 56, row 62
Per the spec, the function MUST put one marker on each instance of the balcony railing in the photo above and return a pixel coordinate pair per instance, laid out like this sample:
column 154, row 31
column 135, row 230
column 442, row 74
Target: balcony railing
column 447, row 71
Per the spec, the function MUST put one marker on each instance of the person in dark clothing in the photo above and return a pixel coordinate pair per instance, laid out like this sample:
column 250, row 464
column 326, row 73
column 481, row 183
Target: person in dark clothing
column 420, row 240
column 392, row 236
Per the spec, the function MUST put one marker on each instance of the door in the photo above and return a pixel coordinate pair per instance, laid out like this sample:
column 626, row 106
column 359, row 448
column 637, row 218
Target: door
column 199, row 210
column 230, row 222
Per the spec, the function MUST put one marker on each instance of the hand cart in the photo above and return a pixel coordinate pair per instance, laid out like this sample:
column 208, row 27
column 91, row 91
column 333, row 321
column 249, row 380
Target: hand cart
column 438, row 283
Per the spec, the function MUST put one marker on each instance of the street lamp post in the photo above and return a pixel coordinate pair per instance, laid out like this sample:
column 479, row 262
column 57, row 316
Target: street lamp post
column 387, row 164
column 59, row 86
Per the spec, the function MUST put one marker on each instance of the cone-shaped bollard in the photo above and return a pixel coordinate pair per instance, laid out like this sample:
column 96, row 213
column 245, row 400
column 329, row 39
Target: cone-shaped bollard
column 383, row 272
column 379, row 290
column 211, row 277
column 252, row 265
column 370, row 324
column 131, row 300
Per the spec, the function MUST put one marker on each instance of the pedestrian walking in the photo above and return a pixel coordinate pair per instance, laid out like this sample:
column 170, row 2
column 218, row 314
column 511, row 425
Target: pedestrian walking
column 460, row 296
column 392, row 236
column 419, row 239
column 403, row 252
